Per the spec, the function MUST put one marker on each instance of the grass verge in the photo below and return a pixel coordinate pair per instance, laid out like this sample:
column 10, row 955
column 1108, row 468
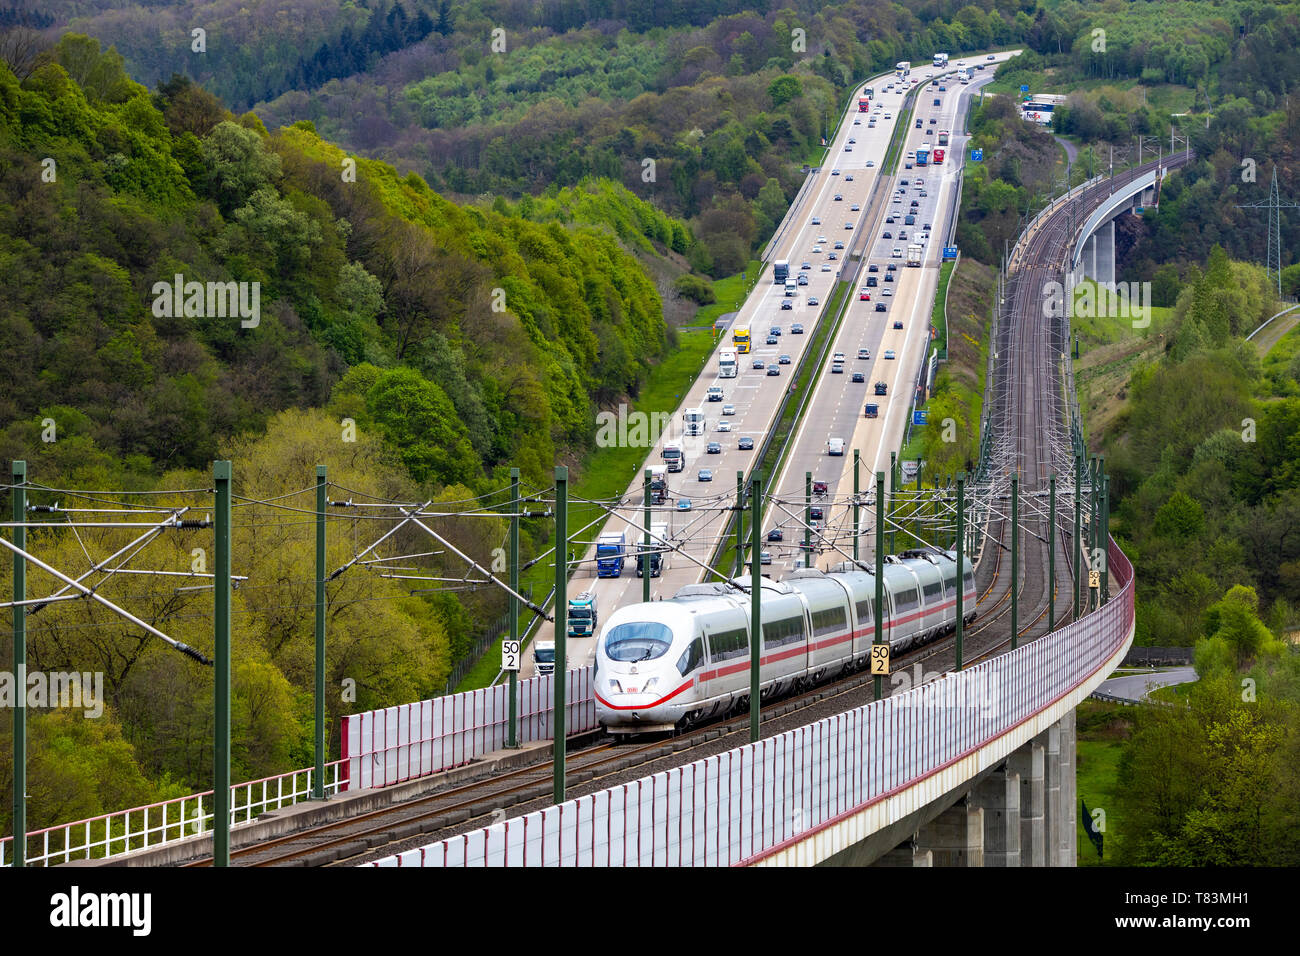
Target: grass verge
column 1102, row 731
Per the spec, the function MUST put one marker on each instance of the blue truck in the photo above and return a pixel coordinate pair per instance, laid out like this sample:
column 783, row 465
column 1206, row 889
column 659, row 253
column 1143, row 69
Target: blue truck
column 611, row 549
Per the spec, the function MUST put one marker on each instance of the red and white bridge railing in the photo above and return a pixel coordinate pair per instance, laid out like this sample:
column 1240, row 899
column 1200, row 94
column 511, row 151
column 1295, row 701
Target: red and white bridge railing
column 380, row 748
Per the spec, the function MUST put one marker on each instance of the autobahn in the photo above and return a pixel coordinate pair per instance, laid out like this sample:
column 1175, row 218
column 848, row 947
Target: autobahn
column 756, row 395
column 895, row 354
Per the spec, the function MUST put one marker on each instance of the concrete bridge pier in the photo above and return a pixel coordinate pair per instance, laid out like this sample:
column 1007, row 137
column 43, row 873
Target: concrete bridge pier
column 956, row 836
column 998, row 798
column 1098, row 261
column 1027, row 762
column 908, row 853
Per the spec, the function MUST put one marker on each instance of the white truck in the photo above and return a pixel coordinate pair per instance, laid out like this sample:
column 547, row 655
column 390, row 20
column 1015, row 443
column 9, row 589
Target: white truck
column 914, row 252
column 658, row 558
column 940, row 60
column 673, row 456
column 727, row 366
column 544, row 656
column 903, row 67
column 693, row 421
column 715, row 393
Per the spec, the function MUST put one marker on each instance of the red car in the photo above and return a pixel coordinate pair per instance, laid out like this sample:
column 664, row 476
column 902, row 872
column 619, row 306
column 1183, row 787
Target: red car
column 864, row 296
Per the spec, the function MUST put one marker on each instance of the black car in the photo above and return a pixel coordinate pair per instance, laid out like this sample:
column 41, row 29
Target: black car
column 772, row 340
column 714, row 448
column 787, row 305
column 816, row 514
column 784, row 360
column 889, row 220
column 858, row 377
column 873, row 268
column 887, row 235
column 776, row 534
column 882, row 388
column 898, row 323
column 796, row 329
column 774, row 330
column 774, row 370
column 880, row 307
column 759, row 363
column 746, row 444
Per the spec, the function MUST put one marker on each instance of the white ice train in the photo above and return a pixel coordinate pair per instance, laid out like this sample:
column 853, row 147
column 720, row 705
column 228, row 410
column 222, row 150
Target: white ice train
column 678, row 661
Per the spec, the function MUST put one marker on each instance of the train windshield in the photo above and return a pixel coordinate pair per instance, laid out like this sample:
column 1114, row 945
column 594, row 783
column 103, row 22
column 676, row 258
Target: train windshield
column 639, row 641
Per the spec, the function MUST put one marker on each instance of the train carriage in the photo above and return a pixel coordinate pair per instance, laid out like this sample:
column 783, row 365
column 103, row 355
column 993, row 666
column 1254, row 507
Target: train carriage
column 667, row 663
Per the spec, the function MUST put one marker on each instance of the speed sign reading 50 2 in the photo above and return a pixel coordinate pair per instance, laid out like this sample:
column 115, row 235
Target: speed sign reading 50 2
column 879, row 658
column 510, row 655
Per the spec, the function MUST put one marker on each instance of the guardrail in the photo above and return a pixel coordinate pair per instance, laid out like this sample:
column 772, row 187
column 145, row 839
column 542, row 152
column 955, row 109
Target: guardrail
column 749, row 803
column 1269, row 321
column 124, row 831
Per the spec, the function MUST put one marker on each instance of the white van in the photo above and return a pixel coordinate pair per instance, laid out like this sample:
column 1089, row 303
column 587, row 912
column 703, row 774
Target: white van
column 835, row 446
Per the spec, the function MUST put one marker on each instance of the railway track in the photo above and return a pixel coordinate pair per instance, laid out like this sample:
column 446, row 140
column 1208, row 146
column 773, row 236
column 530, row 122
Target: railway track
column 1031, row 400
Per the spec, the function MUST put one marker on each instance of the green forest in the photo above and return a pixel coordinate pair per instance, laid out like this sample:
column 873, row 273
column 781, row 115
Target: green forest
column 475, row 225
column 458, row 340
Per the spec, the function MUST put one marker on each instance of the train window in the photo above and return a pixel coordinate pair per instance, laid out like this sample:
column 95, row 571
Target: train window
column 932, row 590
column 950, row 582
column 786, row 631
column 692, row 657
column 637, row 641
column 864, row 611
column 905, row 600
column 728, row 644
column 828, row 621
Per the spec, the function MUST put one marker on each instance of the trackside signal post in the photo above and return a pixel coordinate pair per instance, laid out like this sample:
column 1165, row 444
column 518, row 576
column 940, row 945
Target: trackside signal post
column 1105, row 538
column 880, row 574
column 20, row 666
column 318, row 787
column 755, row 606
column 512, row 740
column 740, row 522
column 856, row 459
column 1051, row 552
column 1015, row 557
column 561, row 622
column 221, row 685
column 961, row 573
column 645, row 545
